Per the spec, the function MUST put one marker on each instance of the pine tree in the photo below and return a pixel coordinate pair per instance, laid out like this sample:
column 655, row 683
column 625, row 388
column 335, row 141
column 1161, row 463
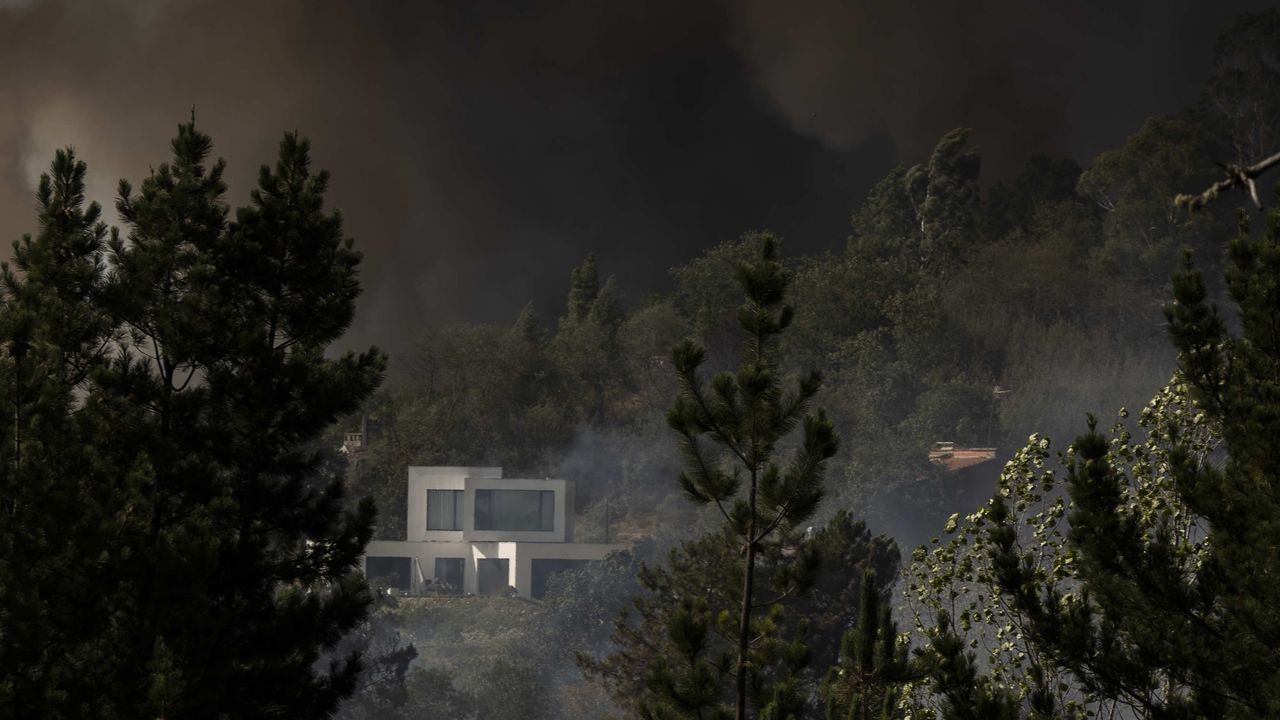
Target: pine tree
column 801, row 631
column 965, row 693
column 730, row 431
column 528, row 326
column 209, row 552
column 869, row 679
column 584, row 288
column 688, row 684
column 52, row 540
column 606, row 309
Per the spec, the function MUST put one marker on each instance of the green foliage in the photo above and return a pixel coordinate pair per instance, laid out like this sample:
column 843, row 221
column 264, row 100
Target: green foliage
column 200, row 563
column 945, row 196
column 1147, row 586
column 606, row 310
column 848, row 556
column 512, row 692
column 873, row 671
column 962, row 579
column 382, row 688
column 584, row 288
column 1046, row 287
column 708, row 295
column 746, row 415
column 799, row 632
column 53, row 531
column 962, row 691
column 434, row 693
column 585, row 601
column 1013, row 207
column 883, row 324
column 1241, row 92
column 1141, row 229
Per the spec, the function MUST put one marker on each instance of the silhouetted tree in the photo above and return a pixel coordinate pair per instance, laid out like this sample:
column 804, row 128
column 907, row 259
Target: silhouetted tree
column 584, row 288
column 58, row 501
column 730, row 431
column 223, row 563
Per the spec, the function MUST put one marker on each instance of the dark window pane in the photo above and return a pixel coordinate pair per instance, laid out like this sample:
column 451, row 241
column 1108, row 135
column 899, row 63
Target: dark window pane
column 449, row 574
column 515, row 510
column 484, row 510
column 547, row 521
column 444, row 509
column 391, row 572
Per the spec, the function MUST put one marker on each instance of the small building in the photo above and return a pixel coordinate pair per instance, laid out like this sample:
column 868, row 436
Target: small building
column 352, row 443
column 356, row 442
column 470, row 530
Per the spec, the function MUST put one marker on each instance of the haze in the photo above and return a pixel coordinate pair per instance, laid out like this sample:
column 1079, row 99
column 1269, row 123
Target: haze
column 478, row 151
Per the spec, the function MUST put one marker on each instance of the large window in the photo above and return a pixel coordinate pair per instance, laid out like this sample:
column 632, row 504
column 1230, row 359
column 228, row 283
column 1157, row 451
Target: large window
column 449, row 574
column 444, row 509
column 516, row 510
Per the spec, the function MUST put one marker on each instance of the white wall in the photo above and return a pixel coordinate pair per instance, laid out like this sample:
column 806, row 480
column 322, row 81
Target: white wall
column 520, row 549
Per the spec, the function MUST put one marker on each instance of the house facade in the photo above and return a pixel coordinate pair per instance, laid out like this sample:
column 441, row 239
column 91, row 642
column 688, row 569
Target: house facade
column 470, row 530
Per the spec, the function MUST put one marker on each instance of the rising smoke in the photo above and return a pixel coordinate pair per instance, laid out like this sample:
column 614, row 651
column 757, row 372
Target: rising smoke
column 479, row 152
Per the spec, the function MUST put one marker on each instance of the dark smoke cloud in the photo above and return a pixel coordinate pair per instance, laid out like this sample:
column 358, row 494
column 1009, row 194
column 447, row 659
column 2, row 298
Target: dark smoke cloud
column 1061, row 77
column 479, row 150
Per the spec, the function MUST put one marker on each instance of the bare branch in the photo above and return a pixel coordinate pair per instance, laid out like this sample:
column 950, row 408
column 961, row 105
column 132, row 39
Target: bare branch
column 1237, row 176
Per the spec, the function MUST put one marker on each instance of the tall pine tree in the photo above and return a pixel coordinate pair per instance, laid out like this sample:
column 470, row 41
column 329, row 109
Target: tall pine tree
column 730, row 434
column 222, row 561
column 52, row 527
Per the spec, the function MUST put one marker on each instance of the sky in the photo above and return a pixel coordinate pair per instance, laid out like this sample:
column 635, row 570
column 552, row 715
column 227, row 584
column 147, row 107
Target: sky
column 479, row 150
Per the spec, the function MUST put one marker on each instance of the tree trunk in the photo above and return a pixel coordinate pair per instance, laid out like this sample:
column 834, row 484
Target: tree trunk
column 744, row 621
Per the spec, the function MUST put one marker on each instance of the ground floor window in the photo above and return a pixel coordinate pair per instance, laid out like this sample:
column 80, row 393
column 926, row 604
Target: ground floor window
column 388, row 572
column 448, row 577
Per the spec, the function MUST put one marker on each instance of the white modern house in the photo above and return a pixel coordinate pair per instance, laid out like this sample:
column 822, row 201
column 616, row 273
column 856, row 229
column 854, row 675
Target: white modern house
column 470, row 530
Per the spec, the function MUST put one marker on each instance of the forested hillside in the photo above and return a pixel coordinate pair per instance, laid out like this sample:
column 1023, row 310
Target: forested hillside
column 1006, row 447
column 955, row 310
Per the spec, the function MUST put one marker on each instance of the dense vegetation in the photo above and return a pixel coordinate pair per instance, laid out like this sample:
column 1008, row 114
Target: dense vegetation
column 172, row 542
column 953, row 312
column 1047, row 286
column 180, row 536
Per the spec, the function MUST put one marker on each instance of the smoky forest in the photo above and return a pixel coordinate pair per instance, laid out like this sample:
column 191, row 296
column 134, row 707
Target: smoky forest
column 680, row 361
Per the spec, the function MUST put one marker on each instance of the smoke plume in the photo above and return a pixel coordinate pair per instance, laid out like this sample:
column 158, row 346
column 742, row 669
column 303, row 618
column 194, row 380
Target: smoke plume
column 479, row 151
